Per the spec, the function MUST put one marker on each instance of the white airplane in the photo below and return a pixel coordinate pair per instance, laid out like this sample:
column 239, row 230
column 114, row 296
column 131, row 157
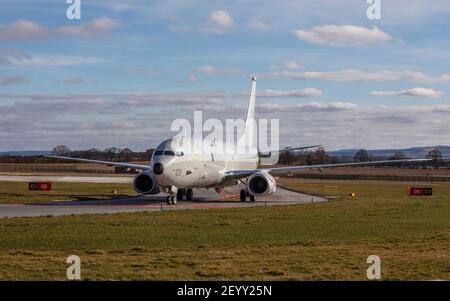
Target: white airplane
column 176, row 171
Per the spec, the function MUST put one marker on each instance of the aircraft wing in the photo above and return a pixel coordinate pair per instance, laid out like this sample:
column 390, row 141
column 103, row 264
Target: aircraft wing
column 287, row 149
column 121, row 164
column 238, row 174
column 298, row 148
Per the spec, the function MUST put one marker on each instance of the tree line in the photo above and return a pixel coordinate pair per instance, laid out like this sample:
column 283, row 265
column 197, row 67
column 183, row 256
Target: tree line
column 303, row 157
column 111, row 153
column 320, row 156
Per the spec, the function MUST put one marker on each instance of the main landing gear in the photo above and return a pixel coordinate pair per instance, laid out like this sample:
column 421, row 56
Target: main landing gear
column 189, row 195
column 244, row 194
column 181, row 193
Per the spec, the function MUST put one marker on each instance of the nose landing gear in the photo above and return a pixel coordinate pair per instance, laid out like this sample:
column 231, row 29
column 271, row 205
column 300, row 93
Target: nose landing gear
column 180, row 194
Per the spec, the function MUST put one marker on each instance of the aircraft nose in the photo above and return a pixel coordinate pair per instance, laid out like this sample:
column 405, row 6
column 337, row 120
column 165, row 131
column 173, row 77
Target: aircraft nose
column 158, row 168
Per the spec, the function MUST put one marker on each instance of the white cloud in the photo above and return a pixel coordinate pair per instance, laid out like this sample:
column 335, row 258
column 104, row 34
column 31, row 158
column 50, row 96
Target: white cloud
column 89, row 29
column 76, row 81
column 180, row 28
column 71, row 81
column 207, row 69
column 256, row 24
column 42, row 121
column 129, row 71
column 219, row 22
column 360, row 75
column 191, row 79
column 291, row 65
column 24, row 30
column 210, row 70
column 343, row 35
column 307, row 92
column 138, row 72
column 9, row 56
column 7, row 81
column 414, row 92
column 49, row 60
column 287, row 65
column 309, row 107
column 221, row 18
column 151, row 73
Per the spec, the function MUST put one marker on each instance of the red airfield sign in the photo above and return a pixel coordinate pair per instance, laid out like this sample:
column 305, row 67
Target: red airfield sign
column 420, row 191
column 40, row 186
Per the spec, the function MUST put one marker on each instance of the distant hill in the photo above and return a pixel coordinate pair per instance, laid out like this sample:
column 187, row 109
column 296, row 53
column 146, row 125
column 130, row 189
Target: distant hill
column 412, row 152
column 26, row 153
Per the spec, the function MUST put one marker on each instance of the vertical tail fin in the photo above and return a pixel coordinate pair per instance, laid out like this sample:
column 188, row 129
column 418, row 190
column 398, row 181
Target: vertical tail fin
column 249, row 131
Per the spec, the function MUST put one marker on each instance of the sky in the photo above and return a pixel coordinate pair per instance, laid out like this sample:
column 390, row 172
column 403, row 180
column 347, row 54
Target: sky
column 123, row 72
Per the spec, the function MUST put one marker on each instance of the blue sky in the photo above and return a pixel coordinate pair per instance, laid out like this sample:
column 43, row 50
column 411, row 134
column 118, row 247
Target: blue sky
column 120, row 74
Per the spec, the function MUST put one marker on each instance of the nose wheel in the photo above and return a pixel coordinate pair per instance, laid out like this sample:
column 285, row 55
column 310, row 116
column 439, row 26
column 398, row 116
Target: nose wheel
column 172, row 199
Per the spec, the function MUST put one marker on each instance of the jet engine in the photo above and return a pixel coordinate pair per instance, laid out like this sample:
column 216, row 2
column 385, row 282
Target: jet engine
column 261, row 183
column 145, row 183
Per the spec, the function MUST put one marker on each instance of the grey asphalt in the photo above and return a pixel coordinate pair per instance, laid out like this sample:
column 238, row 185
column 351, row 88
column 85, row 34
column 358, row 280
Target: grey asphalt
column 203, row 199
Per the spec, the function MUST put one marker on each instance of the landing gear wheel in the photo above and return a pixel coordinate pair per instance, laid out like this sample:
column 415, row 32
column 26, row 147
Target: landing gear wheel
column 252, row 198
column 189, row 195
column 173, row 200
column 180, row 194
column 168, row 200
column 243, row 195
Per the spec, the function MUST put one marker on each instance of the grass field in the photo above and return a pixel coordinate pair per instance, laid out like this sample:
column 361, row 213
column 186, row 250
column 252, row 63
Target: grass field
column 315, row 241
column 17, row 192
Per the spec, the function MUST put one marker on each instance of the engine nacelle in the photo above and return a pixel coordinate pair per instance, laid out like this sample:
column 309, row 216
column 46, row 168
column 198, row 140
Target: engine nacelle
column 145, row 183
column 261, row 183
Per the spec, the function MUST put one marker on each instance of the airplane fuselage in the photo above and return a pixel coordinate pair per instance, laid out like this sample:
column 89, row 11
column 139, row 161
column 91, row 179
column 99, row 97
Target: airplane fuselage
column 200, row 168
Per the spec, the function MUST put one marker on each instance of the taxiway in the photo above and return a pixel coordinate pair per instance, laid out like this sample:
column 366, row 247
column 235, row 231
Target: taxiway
column 204, row 199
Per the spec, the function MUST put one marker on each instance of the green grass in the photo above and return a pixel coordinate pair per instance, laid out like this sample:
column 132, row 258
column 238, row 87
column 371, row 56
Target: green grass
column 17, row 192
column 315, row 241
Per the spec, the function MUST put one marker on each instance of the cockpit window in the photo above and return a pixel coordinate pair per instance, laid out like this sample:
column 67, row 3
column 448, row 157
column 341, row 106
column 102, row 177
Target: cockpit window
column 169, row 153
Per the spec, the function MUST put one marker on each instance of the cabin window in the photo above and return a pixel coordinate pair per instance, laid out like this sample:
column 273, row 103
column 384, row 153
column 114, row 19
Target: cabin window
column 169, row 153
